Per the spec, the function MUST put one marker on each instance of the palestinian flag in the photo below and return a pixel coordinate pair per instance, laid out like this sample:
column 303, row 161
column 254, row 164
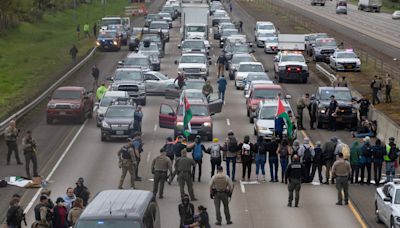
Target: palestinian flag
column 281, row 112
column 187, row 115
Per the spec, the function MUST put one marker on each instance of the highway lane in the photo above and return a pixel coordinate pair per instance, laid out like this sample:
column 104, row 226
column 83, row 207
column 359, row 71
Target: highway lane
column 96, row 161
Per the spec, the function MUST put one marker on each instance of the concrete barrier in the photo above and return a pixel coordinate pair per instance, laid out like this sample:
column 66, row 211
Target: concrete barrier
column 386, row 127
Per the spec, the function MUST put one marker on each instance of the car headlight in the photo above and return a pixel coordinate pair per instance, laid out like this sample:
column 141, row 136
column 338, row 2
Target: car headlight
column 282, row 68
column 203, row 69
column 322, row 111
column 51, row 106
column 97, row 43
column 253, row 107
column 104, row 124
column 115, row 42
column 179, row 124
column 75, row 106
column 397, row 219
column 207, row 124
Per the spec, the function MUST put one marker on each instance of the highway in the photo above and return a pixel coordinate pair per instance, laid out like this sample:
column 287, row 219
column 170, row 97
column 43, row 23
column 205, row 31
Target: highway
column 79, row 152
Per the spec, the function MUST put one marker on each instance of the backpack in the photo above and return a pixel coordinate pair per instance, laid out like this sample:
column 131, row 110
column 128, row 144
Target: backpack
column 307, row 157
column 169, row 149
column 125, row 153
column 345, row 151
column 3, row 183
column 215, row 151
column 261, row 149
column 197, row 153
column 392, row 153
column 232, row 145
column 246, row 149
column 368, row 151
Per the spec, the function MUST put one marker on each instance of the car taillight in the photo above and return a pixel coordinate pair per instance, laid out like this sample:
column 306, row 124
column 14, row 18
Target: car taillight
column 298, row 69
column 289, row 69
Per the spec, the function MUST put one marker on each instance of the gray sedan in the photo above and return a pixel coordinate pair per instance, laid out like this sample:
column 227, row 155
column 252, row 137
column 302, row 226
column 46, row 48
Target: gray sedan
column 156, row 82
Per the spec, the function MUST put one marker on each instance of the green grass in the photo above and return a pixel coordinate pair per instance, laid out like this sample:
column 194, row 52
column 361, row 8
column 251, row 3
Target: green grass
column 34, row 55
column 388, row 6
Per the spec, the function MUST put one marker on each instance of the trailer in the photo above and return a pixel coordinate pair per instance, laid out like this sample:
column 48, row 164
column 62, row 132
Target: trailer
column 194, row 21
column 370, row 5
column 293, row 42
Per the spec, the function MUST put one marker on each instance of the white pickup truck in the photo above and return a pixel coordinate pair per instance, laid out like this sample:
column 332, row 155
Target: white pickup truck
column 387, row 204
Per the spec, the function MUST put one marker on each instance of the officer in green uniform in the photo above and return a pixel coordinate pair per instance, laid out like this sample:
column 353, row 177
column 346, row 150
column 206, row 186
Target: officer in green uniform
column 159, row 167
column 295, row 172
column 221, row 188
column 29, row 147
column 127, row 162
column 183, row 166
column 10, row 135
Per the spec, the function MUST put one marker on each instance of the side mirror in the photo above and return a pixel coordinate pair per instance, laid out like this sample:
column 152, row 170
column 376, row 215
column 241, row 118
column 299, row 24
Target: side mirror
column 387, row 199
column 213, row 113
column 96, row 104
column 176, row 62
column 266, row 70
column 210, row 62
column 179, row 46
column 121, row 63
column 247, row 96
column 171, row 113
column 288, row 96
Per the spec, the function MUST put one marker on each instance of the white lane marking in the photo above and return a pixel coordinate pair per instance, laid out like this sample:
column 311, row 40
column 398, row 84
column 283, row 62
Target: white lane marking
column 228, row 122
column 151, row 179
column 242, row 187
column 148, row 157
column 155, row 128
column 30, row 204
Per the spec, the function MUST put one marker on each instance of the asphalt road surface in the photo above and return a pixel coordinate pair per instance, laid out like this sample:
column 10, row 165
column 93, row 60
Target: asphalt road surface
column 78, row 152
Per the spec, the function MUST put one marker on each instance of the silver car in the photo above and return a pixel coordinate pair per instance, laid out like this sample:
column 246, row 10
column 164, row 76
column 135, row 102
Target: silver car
column 156, row 82
column 106, row 101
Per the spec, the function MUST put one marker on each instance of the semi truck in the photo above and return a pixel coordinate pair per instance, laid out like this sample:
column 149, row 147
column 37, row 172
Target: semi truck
column 370, row 5
column 194, row 21
column 293, row 42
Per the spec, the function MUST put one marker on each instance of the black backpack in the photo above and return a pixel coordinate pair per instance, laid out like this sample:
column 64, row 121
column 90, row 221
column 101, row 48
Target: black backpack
column 232, row 145
column 307, row 157
column 392, row 153
column 125, row 152
column 3, row 183
column 169, row 149
column 368, row 151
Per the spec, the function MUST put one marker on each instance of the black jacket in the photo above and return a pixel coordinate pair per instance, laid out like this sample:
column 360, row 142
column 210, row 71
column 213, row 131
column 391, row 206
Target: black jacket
column 295, row 171
column 14, row 216
column 186, row 212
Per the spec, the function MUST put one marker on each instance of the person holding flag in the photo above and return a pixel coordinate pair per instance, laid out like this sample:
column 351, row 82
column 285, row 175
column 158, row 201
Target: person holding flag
column 281, row 113
column 187, row 114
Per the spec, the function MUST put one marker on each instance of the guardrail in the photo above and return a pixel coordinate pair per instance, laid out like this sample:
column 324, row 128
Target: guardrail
column 321, row 67
column 30, row 106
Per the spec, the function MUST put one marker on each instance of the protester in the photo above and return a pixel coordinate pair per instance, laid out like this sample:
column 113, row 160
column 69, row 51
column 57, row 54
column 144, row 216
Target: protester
column 73, row 52
column 355, row 154
column 197, row 154
column 222, row 83
column 60, row 214
column 15, row 213
column 272, row 149
column 137, row 119
column 231, row 149
column 388, row 88
column 202, row 219
column 306, row 154
column 378, row 151
column 75, row 212
column 168, row 148
column 284, row 151
column 69, row 198
column 390, row 159
column 186, row 212
column 328, row 157
column 180, row 79
column 82, row 191
column 366, row 160
column 215, row 151
column 317, row 163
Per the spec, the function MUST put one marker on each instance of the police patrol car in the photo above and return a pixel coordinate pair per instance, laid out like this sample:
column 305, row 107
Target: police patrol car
column 345, row 60
column 387, row 204
column 290, row 66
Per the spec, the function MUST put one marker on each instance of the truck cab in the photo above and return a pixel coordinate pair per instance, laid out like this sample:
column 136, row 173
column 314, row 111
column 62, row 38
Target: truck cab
column 291, row 66
column 70, row 102
column 323, row 49
column 130, row 80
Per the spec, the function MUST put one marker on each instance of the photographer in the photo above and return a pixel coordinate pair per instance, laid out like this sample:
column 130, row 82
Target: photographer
column 29, row 148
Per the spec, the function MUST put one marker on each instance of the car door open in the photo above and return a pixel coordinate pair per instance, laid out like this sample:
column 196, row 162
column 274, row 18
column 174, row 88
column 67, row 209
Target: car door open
column 166, row 117
column 215, row 105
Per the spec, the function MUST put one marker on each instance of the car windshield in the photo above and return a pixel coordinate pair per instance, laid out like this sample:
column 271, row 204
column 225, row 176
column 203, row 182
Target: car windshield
column 325, row 42
column 272, row 40
column 151, row 37
column 194, row 85
column 256, row 78
column 195, row 29
column 159, row 26
column 128, row 75
column 164, row 15
column 346, row 55
column 151, row 47
column 265, row 93
column 250, row 68
column 194, row 44
column 197, row 110
column 266, row 27
column 229, row 32
column 344, row 95
column 193, row 59
column 137, row 62
column 269, row 113
column 224, row 20
column 237, row 60
column 107, row 35
column 240, row 49
column 397, row 197
column 228, row 26
column 106, row 100
column 67, row 95
column 108, row 224
column 316, row 36
column 194, row 95
column 219, row 14
column 292, row 58
column 153, row 16
column 107, row 22
column 120, row 112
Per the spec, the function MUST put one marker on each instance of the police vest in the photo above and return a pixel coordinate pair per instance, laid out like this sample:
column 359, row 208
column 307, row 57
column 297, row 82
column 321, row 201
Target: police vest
column 125, row 153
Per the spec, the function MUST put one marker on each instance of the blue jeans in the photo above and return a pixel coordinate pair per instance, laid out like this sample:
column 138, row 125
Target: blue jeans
column 284, row 163
column 221, row 94
column 228, row 161
column 390, row 171
column 363, row 135
column 273, row 166
column 260, row 162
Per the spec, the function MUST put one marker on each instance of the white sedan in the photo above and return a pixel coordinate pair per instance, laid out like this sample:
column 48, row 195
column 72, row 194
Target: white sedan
column 396, row 15
column 387, row 204
column 156, row 82
column 345, row 60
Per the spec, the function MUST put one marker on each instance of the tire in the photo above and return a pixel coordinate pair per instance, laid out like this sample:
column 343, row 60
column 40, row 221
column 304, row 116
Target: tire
column 323, row 4
column 103, row 138
column 143, row 102
column 49, row 120
column 377, row 219
column 305, row 80
column 251, row 120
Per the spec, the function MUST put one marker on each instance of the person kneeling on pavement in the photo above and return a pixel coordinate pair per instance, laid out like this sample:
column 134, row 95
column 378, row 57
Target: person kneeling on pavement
column 367, row 128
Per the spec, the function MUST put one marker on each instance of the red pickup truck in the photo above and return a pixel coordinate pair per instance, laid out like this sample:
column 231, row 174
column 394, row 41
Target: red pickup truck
column 70, row 102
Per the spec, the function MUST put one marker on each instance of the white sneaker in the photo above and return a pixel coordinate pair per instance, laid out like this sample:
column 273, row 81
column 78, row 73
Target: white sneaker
column 264, row 178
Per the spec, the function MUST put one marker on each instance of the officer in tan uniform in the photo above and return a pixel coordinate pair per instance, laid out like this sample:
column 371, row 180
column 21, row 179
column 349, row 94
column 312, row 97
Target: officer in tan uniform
column 159, row 167
column 183, row 166
column 29, row 147
column 341, row 170
column 221, row 188
column 127, row 162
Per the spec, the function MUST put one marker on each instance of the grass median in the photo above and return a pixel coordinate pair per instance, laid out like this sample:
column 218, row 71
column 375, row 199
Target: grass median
column 34, row 55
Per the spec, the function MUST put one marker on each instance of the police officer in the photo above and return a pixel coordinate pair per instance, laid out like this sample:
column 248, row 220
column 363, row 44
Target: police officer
column 137, row 146
column 341, row 170
column 221, row 188
column 183, row 166
column 302, row 103
column 376, row 86
column 312, row 110
column 137, row 119
column 42, row 214
column 332, row 112
column 295, row 172
column 159, row 167
column 29, row 147
column 127, row 162
column 11, row 135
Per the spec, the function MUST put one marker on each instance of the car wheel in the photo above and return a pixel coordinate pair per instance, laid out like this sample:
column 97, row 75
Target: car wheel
column 103, row 138
column 392, row 223
column 49, row 120
column 377, row 219
column 143, row 102
column 251, row 120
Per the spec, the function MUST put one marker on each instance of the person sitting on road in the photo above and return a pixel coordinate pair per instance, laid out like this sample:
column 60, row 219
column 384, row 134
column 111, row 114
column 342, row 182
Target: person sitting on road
column 367, row 128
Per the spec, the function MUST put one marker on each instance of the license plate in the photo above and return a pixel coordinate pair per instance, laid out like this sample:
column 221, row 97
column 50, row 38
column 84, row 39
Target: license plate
column 349, row 66
column 339, row 119
column 63, row 113
column 119, row 132
column 194, row 131
column 105, row 46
